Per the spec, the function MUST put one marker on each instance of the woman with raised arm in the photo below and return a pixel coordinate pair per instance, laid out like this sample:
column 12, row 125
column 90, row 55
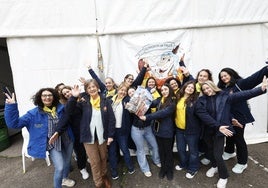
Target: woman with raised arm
column 213, row 108
column 73, row 120
column 231, row 81
column 97, row 128
column 109, row 88
column 41, row 123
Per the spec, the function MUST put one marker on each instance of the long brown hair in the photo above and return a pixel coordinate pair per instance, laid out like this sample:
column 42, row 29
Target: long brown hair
column 193, row 97
column 171, row 98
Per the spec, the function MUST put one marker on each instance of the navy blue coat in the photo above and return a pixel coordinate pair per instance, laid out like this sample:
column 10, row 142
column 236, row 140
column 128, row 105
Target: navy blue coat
column 85, row 108
column 240, row 110
column 223, row 108
column 165, row 117
column 193, row 123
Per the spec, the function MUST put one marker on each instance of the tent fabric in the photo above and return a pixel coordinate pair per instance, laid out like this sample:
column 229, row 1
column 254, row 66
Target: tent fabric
column 53, row 42
column 20, row 18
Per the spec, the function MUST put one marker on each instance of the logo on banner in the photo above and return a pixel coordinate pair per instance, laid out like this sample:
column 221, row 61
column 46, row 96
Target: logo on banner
column 163, row 60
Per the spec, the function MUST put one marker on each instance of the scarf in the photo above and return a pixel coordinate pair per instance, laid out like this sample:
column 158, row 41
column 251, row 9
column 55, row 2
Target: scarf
column 198, row 87
column 95, row 103
column 50, row 111
column 111, row 93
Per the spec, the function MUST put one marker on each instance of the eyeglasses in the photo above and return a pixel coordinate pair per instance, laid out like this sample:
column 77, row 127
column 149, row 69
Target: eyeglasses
column 129, row 78
column 45, row 96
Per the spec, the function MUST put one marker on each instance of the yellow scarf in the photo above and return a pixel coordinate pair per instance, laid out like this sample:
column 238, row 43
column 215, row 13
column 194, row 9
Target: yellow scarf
column 155, row 94
column 162, row 100
column 198, row 87
column 115, row 99
column 95, row 103
column 111, row 93
column 51, row 111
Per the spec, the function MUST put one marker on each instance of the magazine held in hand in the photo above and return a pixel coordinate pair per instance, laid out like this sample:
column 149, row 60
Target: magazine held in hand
column 140, row 102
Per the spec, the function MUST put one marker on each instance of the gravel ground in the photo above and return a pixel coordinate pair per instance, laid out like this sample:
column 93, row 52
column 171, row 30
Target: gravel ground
column 38, row 174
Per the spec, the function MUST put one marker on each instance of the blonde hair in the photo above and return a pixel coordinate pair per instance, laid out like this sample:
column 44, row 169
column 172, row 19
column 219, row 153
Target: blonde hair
column 123, row 84
column 212, row 85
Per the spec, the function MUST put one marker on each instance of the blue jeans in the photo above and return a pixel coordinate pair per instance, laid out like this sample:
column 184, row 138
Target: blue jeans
column 122, row 142
column 188, row 160
column 61, row 161
column 139, row 136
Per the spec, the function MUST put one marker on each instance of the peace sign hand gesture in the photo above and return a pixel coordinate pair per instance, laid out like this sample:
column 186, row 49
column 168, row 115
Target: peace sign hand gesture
column 10, row 99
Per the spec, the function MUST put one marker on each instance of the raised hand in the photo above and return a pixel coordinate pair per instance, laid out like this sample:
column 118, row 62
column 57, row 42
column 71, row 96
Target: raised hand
column 76, row 91
column 264, row 83
column 82, row 80
column 10, row 99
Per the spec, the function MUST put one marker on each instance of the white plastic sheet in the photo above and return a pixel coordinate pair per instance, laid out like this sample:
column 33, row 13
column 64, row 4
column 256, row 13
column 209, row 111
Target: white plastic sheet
column 52, row 41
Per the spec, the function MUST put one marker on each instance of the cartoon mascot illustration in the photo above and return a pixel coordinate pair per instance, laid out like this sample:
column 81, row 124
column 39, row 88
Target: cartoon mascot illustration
column 163, row 66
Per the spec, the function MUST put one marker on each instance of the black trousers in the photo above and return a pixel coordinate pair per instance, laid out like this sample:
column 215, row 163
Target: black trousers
column 215, row 145
column 81, row 155
column 165, row 148
column 241, row 146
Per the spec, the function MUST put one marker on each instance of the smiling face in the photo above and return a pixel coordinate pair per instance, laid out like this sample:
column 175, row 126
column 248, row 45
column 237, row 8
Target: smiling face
column 165, row 91
column 47, row 98
column 151, row 83
column 122, row 92
column 129, row 80
column 208, row 90
column 189, row 90
column 202, row 77
column 131, row 92
column 225, row 77
column 67, row 93
column 109, row 83
column 174, row 85
column 92, row 90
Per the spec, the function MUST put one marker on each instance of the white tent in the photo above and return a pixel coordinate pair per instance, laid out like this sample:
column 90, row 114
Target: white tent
column 52, row 41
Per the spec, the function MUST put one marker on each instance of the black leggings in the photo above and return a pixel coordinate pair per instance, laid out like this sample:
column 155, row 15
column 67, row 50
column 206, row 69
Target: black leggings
column 215, row 145
column 241, row 145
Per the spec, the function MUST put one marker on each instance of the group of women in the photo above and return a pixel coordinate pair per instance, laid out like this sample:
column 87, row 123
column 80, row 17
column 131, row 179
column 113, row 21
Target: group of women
column 96, row 124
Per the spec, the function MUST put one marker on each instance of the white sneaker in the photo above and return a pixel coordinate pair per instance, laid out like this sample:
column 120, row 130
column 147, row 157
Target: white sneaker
column 239, row 168
column 68, row 182
column 158, row 165
column 212, row 171
column 148, row 174
column 190, row 175
column 205, row 161
column 222, row 183
column 226, row 156
column 177, row 167
column 84, row 173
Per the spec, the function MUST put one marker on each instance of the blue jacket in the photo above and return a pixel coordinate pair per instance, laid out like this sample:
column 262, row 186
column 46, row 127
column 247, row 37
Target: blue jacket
column 223, row 108
column 85, row 108
column 240, row 110
column 36, row 122
column 165, row 117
